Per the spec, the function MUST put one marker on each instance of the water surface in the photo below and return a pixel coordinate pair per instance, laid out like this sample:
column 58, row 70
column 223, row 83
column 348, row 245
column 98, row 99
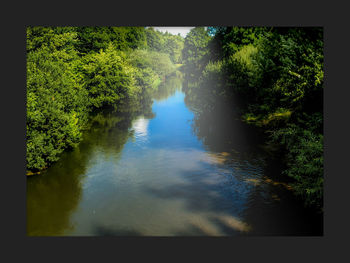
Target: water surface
column 173, row 173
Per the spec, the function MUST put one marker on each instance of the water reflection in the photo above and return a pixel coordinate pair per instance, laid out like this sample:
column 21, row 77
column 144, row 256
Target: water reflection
column 140, row 128
column 53, row 196
column 168, row 88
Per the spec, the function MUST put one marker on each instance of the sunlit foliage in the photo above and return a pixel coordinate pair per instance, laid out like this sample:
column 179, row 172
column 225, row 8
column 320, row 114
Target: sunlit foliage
column 72, row 71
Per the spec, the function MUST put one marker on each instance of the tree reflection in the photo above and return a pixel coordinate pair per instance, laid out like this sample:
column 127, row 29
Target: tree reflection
column 216, row 123
column 53, row 196
column 168, row 88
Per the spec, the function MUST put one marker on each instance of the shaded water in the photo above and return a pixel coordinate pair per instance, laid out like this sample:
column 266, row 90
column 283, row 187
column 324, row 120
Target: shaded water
column 175, row 173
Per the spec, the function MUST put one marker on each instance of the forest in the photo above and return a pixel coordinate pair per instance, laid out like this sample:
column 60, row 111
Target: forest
column 270, row 78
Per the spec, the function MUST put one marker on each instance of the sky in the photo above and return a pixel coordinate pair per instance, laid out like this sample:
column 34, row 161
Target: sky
column 175, row 30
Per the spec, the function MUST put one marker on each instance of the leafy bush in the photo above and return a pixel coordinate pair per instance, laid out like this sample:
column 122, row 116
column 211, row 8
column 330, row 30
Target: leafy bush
column 93, row 39
column 108, row 77
column 147, row 79
column 304, row 161
column 56, row 106
column 160, row 63
column 213, row 75
column 165, row 43
column 244, row 72
column 194, row 53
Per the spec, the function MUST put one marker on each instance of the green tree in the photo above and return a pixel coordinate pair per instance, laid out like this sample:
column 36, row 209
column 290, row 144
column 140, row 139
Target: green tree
column 155, row 41
column 56, row 101
column 108, row 78
column 195, row 51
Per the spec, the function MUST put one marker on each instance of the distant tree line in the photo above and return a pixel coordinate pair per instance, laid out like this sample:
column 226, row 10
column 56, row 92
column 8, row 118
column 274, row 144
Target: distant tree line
column 72, row 71
column 273, row 77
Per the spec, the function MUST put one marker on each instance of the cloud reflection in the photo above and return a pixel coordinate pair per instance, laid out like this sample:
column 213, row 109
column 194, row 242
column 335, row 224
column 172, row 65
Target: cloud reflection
column 140, row 127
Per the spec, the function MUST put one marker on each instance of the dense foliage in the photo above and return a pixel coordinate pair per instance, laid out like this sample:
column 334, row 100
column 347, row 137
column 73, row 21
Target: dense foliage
column 72, row 71
column 165, row 43
column 194, row 52
column 274, row 78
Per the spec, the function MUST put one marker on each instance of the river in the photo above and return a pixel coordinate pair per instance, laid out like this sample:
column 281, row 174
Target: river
column 169, row 174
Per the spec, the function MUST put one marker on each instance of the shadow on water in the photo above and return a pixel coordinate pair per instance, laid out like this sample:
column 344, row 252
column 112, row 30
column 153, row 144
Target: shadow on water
column 218, row 196
column 202, row 194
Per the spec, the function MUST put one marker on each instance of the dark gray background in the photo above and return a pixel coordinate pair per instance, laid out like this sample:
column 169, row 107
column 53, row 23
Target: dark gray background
column 332, row 246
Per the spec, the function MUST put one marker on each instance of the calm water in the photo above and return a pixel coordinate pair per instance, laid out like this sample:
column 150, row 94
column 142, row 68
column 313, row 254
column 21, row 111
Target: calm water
column 173, row 173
